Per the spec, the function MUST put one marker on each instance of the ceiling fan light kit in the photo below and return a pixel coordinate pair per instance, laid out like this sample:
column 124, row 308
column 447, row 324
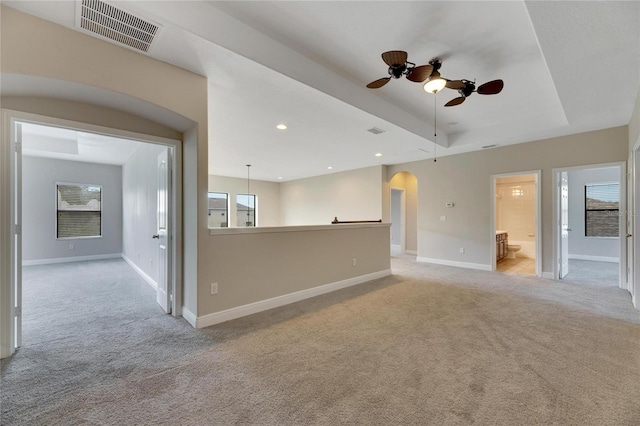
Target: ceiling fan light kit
column 430, row 74
column 435, row 83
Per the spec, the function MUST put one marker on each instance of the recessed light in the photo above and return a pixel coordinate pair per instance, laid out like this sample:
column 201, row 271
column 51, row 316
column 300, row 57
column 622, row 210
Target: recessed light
column 329, row 167
column 378, row 154
column 280, row 177
column 281, row 126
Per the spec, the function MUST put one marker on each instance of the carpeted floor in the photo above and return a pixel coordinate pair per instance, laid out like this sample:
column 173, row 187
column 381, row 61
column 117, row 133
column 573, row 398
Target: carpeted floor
column 589, row 272
column 429, row 345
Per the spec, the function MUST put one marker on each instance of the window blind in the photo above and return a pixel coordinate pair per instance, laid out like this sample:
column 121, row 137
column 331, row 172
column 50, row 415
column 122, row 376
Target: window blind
column 79, row 211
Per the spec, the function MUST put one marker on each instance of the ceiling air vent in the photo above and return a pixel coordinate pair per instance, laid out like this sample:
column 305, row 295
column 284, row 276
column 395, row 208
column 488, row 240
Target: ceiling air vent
column 375, row 130
column 489, row 146
column 115, row 24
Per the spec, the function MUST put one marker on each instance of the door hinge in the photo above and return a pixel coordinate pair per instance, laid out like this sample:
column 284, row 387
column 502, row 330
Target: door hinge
column 18, row 147
column 17, row 229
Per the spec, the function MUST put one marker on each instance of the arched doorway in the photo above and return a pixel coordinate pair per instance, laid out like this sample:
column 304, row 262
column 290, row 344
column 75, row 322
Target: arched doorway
column 403, row 215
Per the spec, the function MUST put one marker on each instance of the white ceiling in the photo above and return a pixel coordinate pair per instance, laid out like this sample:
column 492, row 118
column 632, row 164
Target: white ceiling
column 306, row 64
column 72, row 145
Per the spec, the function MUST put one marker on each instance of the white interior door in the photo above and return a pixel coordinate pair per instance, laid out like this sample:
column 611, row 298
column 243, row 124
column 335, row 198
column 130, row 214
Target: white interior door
column 630, row 209
column 564, row 224
column 163, row 235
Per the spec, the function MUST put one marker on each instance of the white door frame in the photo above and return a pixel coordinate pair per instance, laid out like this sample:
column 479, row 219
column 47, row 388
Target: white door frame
column 622, row 165
column 494, row 180
column 634, row 286
column 7, row 212
column 403, row 216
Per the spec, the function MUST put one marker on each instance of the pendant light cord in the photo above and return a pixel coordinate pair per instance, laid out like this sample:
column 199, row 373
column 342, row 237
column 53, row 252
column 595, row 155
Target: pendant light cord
column 248, row 194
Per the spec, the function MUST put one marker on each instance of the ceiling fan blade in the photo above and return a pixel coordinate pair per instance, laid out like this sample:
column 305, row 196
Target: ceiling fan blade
column 455, row 84
column 456, row 101
column 420, row 74
column 378, row 83
column 394, row 57
column 491, row 88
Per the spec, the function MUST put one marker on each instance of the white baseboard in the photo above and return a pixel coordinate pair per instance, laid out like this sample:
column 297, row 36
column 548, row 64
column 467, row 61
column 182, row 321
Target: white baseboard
column 70, row 259
column 412, row 252
column 594, row 258
column 548, row 275
column 140, row 272
column 275, row 302
column 466, row 265
column 189, row 316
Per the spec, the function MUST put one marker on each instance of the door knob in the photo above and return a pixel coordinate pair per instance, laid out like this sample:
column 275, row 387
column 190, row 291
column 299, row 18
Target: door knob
column 629, row 235
column 157, row 236
column 569, row 229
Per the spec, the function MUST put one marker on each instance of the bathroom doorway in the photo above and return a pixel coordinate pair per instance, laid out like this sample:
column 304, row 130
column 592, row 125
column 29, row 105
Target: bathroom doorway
column 515, row 236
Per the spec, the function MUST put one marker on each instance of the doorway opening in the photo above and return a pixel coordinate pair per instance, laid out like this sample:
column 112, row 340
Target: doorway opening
column 515, row 235
column 590, row 243
column 88, row 193
column 404, row 214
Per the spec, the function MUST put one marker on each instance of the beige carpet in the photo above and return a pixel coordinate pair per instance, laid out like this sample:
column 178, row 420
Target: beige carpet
column 430, row 345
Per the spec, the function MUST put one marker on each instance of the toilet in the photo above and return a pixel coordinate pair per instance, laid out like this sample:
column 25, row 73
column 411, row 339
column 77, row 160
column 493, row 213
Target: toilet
column 512, row 249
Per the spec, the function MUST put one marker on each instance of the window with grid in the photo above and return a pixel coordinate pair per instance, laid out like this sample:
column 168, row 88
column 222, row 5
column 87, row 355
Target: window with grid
column 602, row 208
column 79, row 211
column 218, row 210
column 246, row 209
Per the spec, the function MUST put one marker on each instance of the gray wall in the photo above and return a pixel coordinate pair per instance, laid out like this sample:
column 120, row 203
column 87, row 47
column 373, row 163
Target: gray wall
column 465, row 179
column 349, row 195
column 139, row 215
column 579, row 245
column 39, row 177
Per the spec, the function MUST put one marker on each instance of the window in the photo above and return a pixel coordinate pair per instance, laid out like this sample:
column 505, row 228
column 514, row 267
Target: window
column 218, row 210
column 79, row 211
column 246, row 207
column 602, row 204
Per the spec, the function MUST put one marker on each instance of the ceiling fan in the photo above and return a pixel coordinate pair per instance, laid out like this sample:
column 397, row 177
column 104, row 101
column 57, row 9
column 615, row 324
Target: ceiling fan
column 490, row 88
column 399, row 66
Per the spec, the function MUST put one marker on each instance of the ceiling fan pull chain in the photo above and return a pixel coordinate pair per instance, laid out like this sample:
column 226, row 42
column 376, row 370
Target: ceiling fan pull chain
column 435, row 130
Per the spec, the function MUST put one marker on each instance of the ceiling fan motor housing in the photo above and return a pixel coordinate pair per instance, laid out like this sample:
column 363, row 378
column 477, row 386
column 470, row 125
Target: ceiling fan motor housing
column 468, row 88
column 396, row 71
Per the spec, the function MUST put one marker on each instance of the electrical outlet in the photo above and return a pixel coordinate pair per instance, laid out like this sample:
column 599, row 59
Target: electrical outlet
column 214, row 288
column 461, row 250
column 354, row 261
column 72, row 246
column 443, row 218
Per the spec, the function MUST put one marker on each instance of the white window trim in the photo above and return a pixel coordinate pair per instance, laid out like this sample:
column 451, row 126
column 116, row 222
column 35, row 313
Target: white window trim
column 92, row 237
